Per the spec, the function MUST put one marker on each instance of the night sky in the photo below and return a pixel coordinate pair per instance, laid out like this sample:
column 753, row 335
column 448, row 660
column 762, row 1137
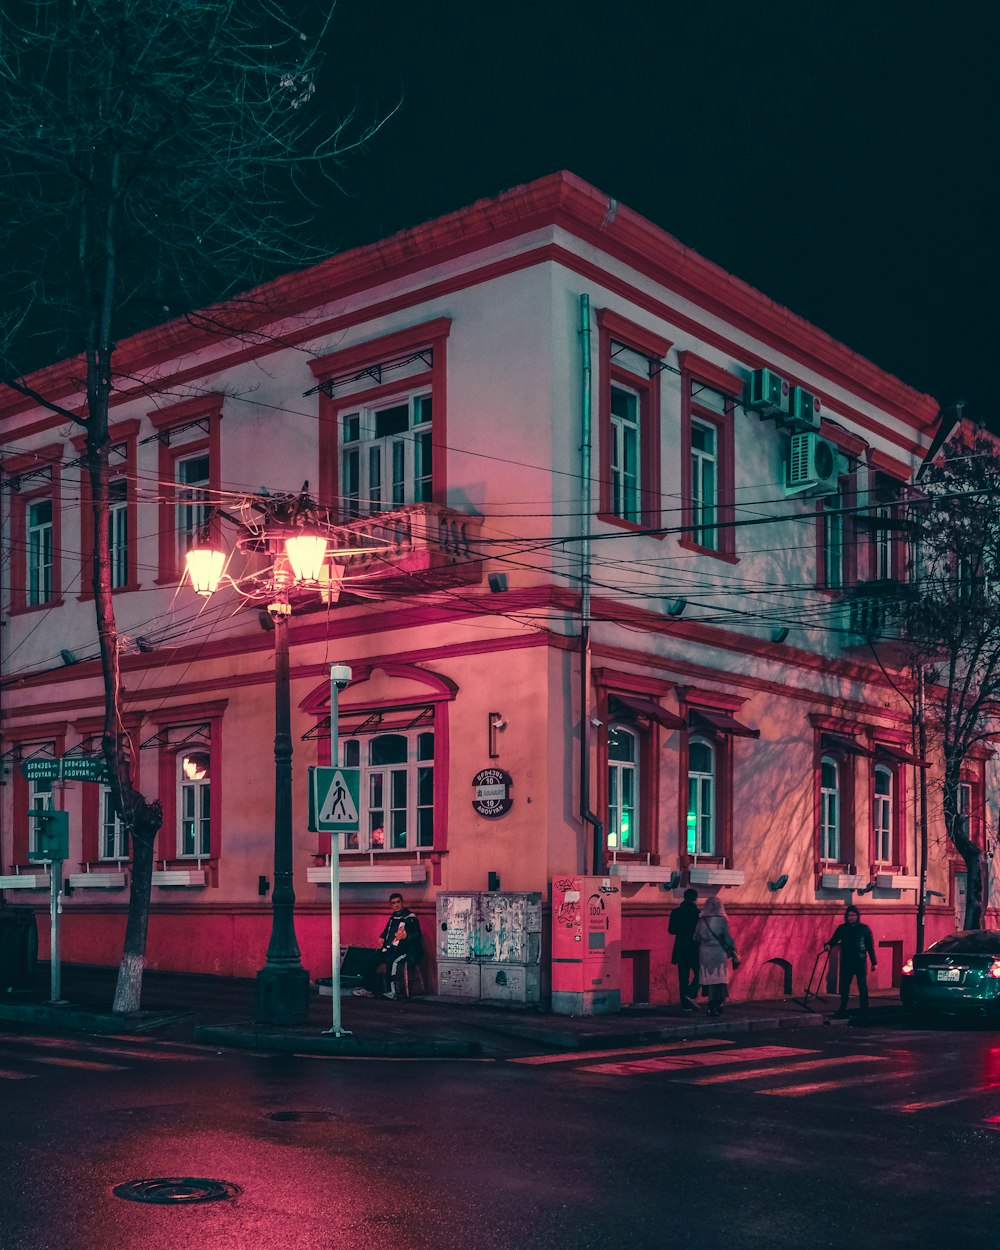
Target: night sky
column 839, row 157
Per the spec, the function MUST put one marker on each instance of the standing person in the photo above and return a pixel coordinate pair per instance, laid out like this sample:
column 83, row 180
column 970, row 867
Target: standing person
column 681, row 924
column 400, row 942
column 715, row 949
column 857, row 946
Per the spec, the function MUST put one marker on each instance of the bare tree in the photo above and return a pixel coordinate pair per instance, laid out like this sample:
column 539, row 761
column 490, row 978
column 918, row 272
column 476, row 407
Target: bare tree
column 950, row 620
column 151, row 152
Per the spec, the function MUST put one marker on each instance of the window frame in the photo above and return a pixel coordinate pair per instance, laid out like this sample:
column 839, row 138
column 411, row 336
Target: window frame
column 837, row 793
column 885, row 830
column 619, row 340
column 386, row 444
column 46, row 463
column 123, row 436
column 172, row 740
column 698, row 372
column 183, row 431
column 122, row 854
column 411, row 768
column 200, row 788
column 841, row 505
column 432, row 335
column 619, row 769
column 46, row 741
column 695, row 854
column 887, row 548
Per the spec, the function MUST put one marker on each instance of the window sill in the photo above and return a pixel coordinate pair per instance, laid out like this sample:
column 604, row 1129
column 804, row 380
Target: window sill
column 639, row 871
column 836, row 880
column 364, row 874
column 104, row 880
column 631, row 527
column 713, row 874
column 896, row 881
column 25, row 609
column 25, row 881
column 728, row 557
column 88, row 595
column 183, row 878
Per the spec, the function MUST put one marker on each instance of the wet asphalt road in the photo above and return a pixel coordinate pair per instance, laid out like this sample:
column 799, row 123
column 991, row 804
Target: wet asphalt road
column 800, row 1139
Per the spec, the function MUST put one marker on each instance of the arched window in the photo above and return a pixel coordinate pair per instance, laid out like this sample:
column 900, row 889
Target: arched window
column 396, row 791
column 883, row 804
column 623, row 789
column 701, row 812
column 193, row 804
column 829, row 810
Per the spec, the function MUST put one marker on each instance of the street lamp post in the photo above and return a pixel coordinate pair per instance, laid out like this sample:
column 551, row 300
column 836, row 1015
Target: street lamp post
column 298, row 554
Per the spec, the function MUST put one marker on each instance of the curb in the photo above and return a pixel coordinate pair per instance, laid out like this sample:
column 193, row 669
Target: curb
column 75, row 1019
column 250, row 1038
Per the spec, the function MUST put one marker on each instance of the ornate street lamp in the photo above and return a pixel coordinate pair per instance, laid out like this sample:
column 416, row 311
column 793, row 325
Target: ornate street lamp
column 289, row 531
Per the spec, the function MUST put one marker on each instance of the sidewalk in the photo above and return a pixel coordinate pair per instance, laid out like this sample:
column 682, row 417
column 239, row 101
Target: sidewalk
column 219, row 1011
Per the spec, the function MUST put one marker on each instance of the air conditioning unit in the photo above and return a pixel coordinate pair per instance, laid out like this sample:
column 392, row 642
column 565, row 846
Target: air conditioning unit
column 812, row 466
column 803, row 410
column 766, row 393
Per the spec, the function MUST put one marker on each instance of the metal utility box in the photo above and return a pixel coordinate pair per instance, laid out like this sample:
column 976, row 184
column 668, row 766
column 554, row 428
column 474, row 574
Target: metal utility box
column 586, row 945
column 487, row 932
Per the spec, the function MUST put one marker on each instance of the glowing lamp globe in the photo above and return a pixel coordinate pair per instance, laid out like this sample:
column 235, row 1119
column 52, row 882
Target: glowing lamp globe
column 306, row 553
column 204, row 567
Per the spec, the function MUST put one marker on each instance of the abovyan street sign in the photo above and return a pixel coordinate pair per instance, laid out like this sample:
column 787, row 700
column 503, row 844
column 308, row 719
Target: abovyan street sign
column 66, row 768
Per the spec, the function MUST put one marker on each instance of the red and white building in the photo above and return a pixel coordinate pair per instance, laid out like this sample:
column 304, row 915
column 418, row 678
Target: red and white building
column 537, row 411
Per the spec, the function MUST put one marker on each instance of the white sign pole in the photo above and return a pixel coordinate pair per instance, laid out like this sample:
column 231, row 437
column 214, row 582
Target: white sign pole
column 55, row 907
column 336, row 671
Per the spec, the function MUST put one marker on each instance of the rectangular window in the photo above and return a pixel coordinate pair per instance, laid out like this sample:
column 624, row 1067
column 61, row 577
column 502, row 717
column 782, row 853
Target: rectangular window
column 701, row 809
column 834, row 562
column 704, row 484
column 387, row 455
column 114, row 841
column 194, row 804
column 884, row 517
column 625, row 454
column 623, row 789
column 118, row 531
column 191, row 476
column 883, row 813
column 397, row 791
column 40, row 799
column 829, row 817
column 40, row 549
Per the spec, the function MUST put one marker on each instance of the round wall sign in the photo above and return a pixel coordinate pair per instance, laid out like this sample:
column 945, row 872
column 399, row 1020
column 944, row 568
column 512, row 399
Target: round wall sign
column 492, row 797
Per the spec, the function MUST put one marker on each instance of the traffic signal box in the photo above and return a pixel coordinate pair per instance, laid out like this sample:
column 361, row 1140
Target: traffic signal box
column 51, row 835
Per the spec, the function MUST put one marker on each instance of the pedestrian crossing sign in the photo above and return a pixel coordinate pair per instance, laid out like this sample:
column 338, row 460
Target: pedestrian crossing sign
column 333, row 799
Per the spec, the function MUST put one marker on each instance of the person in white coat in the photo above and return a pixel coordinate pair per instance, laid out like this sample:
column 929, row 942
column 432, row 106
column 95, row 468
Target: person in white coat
column 716, row 949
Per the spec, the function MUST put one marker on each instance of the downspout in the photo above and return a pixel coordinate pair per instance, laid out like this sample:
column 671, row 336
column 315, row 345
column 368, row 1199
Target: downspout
column 586, row 457
column 922, row 848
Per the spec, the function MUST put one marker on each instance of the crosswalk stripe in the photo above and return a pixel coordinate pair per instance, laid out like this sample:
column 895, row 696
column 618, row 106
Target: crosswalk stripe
column 819, row 1087
column 804, row 1065
column 89, row 1065
column 124, row 1052
column 6, row 1075
column 908, row 1108
column 667, row 1063
column 574, row 1056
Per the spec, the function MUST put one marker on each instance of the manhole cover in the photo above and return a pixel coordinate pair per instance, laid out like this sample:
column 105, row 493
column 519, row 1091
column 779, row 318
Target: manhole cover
column 171, row 1190
column 309, row 1117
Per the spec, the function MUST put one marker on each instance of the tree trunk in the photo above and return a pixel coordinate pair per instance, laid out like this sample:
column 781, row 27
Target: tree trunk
column 973, row 857
column 128, row 988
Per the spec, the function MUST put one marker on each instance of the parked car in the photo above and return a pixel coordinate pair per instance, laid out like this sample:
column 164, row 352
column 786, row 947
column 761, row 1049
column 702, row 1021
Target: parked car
column 961, row 973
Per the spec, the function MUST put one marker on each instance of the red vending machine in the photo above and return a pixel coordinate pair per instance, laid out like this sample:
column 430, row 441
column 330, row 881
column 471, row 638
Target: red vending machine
column 586, row 945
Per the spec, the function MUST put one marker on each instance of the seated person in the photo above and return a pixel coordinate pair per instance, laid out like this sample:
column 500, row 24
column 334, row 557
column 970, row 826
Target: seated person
column 401, row 942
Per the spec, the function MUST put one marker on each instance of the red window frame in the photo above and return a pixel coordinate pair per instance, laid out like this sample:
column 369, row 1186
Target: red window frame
column 204, row 409
column 166, row 838
column 45, row 459
column 88, row 733
column 694, row 371
column 429, row 334
column 880, row 480
column 898, row 769
column 24, row 742
column 847, row 487
column 848, row 772
column 123, row 436
column 616, row 331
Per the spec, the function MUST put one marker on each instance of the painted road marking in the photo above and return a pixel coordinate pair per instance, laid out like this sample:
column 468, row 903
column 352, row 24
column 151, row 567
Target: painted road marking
column 750, row 1074
column 819, row 1087
column 673, row 1063
column 88, row 1065
column 6, row 1075
column 908, row 1108
column 125, row 1052
column 575, row 1056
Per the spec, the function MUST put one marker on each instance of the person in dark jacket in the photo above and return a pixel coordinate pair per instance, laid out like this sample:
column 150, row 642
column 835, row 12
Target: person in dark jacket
column 681, row 924
column 400, row 942
column 857, row 947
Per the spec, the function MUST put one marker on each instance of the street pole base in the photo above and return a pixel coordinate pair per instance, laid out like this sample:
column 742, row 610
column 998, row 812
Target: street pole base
column 337, row 1033
column 282, row 995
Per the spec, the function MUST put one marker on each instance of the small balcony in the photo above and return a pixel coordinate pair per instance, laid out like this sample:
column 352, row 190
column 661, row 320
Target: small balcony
column 421, row 538
column 872, row 611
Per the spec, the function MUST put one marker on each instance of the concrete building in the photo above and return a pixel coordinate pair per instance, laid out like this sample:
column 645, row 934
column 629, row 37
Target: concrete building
column 590, row 484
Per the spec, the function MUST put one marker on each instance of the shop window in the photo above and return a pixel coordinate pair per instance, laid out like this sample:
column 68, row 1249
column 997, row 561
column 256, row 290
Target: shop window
column 623, row 789
column 396, row 790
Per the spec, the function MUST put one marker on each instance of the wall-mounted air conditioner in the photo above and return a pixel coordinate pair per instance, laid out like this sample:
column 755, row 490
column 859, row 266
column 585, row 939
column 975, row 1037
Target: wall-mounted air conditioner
column 812, row 465
column 802, row 413
column 766, row 393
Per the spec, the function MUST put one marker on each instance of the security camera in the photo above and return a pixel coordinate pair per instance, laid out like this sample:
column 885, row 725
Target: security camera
column 340, row 674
